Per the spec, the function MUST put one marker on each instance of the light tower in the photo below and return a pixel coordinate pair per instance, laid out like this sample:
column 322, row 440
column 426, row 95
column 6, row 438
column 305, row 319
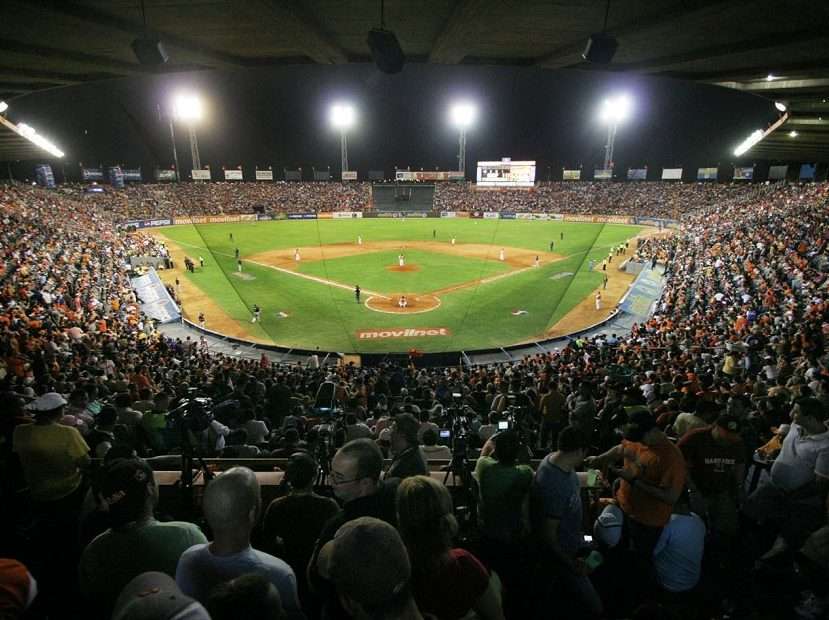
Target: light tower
column 342, row 116
column 188, row 109
column 462, row 115
column 614, row 111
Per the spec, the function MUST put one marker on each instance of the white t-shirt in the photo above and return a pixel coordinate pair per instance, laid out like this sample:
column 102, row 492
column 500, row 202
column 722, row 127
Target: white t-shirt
column 801, row 458
column 677, row 556
column 199, row 571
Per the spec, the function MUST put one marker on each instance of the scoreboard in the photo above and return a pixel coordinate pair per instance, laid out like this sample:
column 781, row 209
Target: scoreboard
column 506, row 173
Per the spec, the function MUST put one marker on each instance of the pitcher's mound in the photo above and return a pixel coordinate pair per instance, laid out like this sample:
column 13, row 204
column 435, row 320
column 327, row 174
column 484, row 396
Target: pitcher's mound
column 403, row 268
column 415, row 304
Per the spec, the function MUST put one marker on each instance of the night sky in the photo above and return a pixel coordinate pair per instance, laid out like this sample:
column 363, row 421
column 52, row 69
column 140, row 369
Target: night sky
column 278, row 117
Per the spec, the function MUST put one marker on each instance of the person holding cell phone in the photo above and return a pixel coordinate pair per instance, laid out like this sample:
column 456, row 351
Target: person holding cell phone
column 556, row 513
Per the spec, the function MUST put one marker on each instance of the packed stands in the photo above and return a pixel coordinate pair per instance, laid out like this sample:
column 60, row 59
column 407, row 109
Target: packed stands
column 707, row 425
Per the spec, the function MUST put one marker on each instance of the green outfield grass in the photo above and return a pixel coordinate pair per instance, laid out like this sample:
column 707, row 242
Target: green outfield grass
column 329, row 317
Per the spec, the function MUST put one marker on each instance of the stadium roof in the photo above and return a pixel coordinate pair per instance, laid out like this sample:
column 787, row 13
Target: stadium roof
column 732, row 43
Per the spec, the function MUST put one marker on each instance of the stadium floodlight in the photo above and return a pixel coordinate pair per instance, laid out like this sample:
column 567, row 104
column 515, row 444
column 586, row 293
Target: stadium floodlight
column 3, row 106
column 188, row 107
column 770, row 77
column 781, row 106
column 462, row 115
column 29, row 132
column 342, row 117
column 793, row 134
column 746, row 144
column 613, row 111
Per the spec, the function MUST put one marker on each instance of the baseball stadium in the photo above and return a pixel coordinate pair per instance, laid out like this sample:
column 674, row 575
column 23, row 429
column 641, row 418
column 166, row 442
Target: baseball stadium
column 397, row 310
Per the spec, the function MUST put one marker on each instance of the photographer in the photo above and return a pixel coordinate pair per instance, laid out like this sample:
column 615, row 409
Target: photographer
column 408, row 459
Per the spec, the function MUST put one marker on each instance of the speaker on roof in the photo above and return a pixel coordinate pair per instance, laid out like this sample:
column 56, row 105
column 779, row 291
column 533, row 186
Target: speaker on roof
column 385, row 50
column 149, row 51
column 600, row 48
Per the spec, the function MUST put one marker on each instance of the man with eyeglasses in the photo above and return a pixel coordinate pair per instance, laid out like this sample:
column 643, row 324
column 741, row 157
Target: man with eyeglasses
column 355, row 479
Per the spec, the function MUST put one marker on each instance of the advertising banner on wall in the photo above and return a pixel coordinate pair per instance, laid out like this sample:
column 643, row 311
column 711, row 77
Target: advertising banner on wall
column 707, row 174
column 604, row 174
column 491, row 215
column 349, row 175
column 302, row 216
column 447, row 214
column 92, row 174
column 44, row 175
column 132, row 175
column 347, row 215
column 807, row 172
column 777, row 172
column 671, row 174
column 743, row 173
column 233, row 174
column 637, row 174
column 149, row 223
column 428, row 175
column 200, row 175
column 571, row 175
column 264, row 175
column 116, row 177
column 165, row 175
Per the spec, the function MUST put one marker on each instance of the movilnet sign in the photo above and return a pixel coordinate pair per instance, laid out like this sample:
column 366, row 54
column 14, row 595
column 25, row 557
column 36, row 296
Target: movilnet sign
column 406, row 332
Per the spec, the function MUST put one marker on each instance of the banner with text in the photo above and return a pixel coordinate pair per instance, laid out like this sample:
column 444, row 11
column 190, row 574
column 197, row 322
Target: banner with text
column 92, row 174
column 349, row 175
column 778, row 172
column 571, row 175
column 165, row 175
column 233, row 174
column 302, row 216
column 491, row 215
column 743, row 173
column 264, row 175
column 200, row 175
column 604, row 174
column 429, row 175
column 149, row 223
column 637, row 174
column 671, row 174
column 132, row 175
column 347, row 215
column 807, row 172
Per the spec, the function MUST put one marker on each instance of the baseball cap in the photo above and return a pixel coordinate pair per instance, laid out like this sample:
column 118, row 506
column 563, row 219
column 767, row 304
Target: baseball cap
column 367, row 561
column 608, row 526
column 47, row 402
column 640, row 421
column 155, row 596
column 124, row 487
column 17, row 588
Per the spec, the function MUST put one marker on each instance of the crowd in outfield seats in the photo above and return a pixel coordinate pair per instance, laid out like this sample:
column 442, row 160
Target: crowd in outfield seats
column 694, row 449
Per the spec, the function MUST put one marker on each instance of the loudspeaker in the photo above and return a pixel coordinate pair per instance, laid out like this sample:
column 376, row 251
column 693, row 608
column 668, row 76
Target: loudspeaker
column 385, row 50
column 149, row 51
column 600, row 48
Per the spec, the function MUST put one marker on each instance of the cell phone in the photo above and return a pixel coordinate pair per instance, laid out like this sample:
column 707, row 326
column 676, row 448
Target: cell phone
column 503, row 425
column 588, row 538
column 444, row 433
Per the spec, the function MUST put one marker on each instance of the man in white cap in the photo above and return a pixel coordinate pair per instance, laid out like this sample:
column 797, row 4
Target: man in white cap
column 52, row 455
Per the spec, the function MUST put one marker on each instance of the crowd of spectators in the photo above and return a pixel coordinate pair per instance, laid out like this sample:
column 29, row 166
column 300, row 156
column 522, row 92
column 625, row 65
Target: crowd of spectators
column 160, row 201
column 703, row 430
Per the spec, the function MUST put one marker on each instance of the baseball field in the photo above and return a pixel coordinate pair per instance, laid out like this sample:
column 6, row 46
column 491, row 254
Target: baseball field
column 426, row 284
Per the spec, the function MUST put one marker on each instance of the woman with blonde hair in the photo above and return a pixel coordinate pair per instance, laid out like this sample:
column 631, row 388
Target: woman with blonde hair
column 448, row 582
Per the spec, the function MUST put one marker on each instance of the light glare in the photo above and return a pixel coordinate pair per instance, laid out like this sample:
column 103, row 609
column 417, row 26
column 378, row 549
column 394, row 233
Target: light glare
column 792, row 134
column 746, row 144
column 781, row 107
column 188, row 107
column 462, row 115
column 342, row 116
column 616, row 109
column 3, row 106
column 28, row 132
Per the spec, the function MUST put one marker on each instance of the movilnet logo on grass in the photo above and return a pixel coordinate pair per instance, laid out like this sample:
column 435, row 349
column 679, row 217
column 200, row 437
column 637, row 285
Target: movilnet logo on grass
column 406, row 332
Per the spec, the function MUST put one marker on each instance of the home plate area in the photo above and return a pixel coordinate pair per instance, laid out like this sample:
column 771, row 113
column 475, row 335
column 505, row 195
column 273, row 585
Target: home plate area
column 403, row 303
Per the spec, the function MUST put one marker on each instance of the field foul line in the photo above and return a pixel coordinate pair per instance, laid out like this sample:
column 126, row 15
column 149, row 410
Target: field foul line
column 288, row 271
